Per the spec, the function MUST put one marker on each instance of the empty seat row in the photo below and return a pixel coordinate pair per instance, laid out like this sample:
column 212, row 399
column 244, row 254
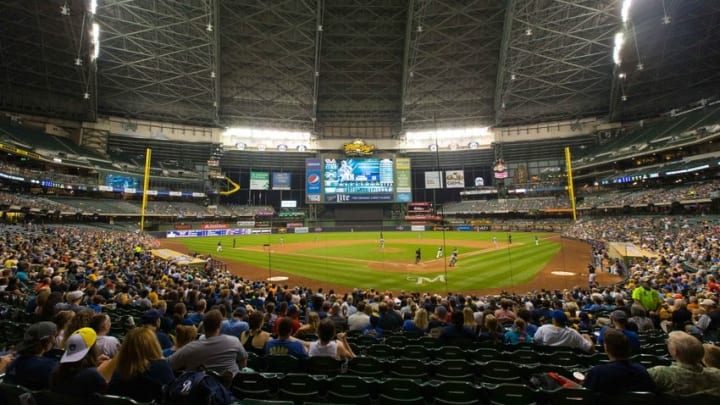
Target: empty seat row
column 256, row 389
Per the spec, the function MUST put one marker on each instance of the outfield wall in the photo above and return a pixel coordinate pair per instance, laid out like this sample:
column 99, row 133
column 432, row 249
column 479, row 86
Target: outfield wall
column 190, row 233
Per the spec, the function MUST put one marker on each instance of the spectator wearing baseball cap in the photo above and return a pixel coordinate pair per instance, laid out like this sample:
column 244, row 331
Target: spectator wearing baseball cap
column 708, row 325
column 619, row 320
column 237, row 325
column 82, row 371
column 72, row 303
column 31, row 368
column 559, row 334
column 151, row 319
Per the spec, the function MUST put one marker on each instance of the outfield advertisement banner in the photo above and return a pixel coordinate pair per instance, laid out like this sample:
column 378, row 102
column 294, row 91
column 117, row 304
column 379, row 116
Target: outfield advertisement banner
column 433, row 180
column 193, row 233
column 403, row 177
column 313, row 175
column 259, row 181
column 281, row 181
column 213, row 226
column 454, row 179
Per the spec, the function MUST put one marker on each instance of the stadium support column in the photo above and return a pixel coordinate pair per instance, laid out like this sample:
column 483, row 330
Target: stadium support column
column 146, row 184
column 571, row 189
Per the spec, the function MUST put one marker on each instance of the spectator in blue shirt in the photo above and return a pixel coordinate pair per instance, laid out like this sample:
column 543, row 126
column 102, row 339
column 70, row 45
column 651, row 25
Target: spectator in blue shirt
column 286, row 344
column 619, row 321
column 620, row 374
column 237, row 325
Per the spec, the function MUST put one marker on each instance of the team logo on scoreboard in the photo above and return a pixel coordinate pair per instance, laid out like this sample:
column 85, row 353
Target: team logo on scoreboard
column 358, row 147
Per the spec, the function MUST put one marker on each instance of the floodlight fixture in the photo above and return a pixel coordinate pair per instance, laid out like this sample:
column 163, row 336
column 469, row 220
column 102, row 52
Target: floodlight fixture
column 95, row 40
column 619, row 42
column 625, row 11
column 93, row 6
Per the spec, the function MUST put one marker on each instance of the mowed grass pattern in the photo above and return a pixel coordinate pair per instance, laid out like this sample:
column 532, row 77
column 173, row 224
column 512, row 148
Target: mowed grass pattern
column 362, row 264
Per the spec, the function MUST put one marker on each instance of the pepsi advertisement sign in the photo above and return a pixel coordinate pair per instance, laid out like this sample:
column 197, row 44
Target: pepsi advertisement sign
column 313, row 177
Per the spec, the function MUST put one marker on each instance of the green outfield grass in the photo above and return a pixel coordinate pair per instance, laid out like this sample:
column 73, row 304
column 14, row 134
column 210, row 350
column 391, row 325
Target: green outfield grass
column 354, row 259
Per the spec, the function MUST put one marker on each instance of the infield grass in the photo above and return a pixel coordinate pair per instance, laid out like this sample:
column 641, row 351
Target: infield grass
column 355, row 260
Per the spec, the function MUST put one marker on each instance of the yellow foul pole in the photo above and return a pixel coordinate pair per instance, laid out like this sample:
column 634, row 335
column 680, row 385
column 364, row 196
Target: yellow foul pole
column 146, row 184
column 571, row 189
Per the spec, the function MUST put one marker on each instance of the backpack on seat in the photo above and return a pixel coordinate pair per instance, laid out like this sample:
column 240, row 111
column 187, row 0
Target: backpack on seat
column 197, row 387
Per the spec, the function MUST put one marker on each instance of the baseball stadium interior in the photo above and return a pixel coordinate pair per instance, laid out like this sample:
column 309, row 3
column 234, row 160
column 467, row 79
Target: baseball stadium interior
column 127, row 126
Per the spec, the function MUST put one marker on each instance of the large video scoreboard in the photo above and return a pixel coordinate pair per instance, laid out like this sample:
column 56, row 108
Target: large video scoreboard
column 357, row 180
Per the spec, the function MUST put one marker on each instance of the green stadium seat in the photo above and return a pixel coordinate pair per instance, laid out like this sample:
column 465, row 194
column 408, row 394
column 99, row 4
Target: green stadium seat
column 456, row 393
column 499, row 372
column 381, row 351
column 400, row 391
column 526, row 357
column 568, row 396
column 414, row 352
column 11, row 394
column 280, row 363
column 348, row 389
column 117, row 400
column 250, row 401
column 366, row 367
column 299, row 388
column 511, row 394
column 649, row 360
column 454, row 370
column 255, row 385
column 322, row 365
column 451, row 353
column 396, row 341
column 408, row 368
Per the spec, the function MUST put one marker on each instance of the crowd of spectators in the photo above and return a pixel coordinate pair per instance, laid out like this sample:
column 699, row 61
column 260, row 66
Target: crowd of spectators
column 72, row 280
column 637, row 195
column 182, row 209
column 591, row 197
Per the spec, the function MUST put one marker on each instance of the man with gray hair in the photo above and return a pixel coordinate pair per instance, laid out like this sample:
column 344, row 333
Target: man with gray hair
column 708, row 324
column 686, row 375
